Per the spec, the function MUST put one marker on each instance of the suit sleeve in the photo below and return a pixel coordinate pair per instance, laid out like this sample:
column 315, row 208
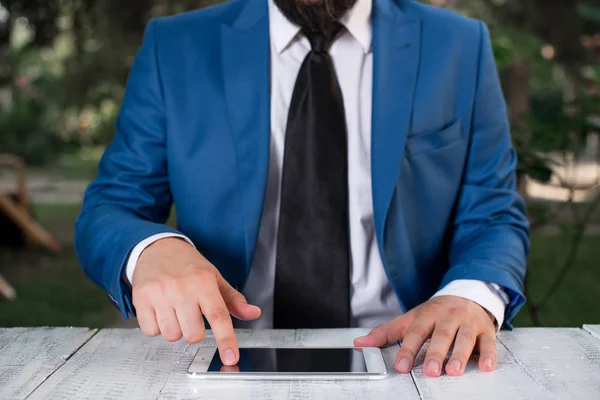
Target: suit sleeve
column 490, row 232
column 130, row 199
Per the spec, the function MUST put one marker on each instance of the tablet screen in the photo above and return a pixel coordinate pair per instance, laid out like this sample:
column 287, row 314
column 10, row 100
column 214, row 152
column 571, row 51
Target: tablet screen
column 294, row 360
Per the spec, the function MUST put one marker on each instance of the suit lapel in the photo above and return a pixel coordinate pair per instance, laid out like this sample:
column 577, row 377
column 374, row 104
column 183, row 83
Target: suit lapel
column 396, row 54
column 246, row 79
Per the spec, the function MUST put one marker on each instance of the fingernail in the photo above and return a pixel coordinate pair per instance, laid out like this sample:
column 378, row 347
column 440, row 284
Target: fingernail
column 488, row 363
column 434, row 366
column 229, row 357
column 454, row 365
column 404, row 365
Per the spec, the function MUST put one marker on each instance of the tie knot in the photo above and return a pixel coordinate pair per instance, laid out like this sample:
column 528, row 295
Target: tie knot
column 321, row 41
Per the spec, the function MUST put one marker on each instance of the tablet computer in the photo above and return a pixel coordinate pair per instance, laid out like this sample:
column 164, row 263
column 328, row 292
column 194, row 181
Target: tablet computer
column 289, row 363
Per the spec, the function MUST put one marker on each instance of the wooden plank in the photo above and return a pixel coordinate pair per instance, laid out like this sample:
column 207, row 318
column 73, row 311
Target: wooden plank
column 115, row 363
column 180, row 386
column 510, row 380
column 565, row 361
column 18, row 165
column 533, row 363
column 6, row 290
column 328, row 337
column 594, row 330
column 28, row 356
column 32, row 229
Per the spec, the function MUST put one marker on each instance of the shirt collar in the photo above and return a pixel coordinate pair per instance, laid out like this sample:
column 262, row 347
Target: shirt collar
column 357, row 21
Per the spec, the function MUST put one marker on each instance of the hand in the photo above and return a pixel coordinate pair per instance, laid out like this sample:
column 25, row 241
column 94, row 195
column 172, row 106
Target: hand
column 173, row 285
column 446, row 320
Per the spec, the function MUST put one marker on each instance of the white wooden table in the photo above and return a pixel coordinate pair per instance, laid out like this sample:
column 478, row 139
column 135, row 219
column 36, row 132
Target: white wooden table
column 69, row 363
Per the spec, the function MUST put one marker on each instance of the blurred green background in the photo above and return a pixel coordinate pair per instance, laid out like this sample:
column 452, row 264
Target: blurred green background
column 63, row 68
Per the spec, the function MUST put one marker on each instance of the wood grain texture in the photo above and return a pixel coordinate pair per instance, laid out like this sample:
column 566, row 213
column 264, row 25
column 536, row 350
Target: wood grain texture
column 28, row 356
column 328, row 337
column 594, row 330
column 115, row 364
column 533, row 363
column 565, row 362
column 180, row 386
column 509, row 381
column 6, row 289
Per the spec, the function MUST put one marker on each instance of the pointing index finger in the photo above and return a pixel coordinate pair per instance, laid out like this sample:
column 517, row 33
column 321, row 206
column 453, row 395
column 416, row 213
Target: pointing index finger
column 214, row 308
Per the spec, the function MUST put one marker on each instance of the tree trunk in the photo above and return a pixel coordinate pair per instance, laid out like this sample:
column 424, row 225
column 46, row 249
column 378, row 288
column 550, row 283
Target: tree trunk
column 517, row 91
column 6, row 65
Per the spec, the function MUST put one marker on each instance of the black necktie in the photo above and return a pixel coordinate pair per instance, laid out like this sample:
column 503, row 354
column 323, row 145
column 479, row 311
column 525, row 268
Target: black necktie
column 313, row 249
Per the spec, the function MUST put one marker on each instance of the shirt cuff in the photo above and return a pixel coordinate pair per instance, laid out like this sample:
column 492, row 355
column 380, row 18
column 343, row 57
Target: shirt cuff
column 488, row 296
column 141, row 246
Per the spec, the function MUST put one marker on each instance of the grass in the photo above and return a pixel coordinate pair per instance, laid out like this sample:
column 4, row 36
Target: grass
column 559, row 213
column 82, row 164
column 53, row 290
column 577, row 301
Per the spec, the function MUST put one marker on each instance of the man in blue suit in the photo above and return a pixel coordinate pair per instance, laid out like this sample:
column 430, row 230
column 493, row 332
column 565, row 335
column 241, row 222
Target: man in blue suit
column 333, row 163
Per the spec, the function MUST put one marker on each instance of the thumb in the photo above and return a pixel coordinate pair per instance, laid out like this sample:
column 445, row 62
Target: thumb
column 236, row 302
column 384, row 334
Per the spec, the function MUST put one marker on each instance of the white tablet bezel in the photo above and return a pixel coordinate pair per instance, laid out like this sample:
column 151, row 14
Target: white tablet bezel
column 376, row 368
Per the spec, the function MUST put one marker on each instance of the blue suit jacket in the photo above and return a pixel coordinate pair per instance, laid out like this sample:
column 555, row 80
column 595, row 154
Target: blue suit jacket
column 194, row 131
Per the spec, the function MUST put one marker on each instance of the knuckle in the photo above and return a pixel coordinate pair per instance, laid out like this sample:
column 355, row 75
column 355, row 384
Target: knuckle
column 434, row 308
column 445, row 333
column 488, row 326
column 204, row 276
column 436, row 355
column 405, row 352
column 147, row 292
column 491, row 345
column 487, row 340
column 136, row 300
column 218, row 315
column 460, row 355
column 174, row 292
column 237, row 296
column 488, row 349
column 456, row 312
column 418, row 331
column 379, row 329
column 179, row 284
column 467, row 335
column 402, row 325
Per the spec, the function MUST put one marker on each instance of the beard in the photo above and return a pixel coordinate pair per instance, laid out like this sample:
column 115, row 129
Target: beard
column 314, row 15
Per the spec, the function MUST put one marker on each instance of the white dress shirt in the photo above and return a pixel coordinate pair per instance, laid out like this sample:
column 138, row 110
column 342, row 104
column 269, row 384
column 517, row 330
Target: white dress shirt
column 372, row 299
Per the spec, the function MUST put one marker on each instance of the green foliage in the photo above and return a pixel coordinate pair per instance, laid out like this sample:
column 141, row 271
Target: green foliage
column 79, row 53
column 511, row 44
column 74, row 57
column 558, row 126
column 25, row 134
column 590, row 11
column 531, row 163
